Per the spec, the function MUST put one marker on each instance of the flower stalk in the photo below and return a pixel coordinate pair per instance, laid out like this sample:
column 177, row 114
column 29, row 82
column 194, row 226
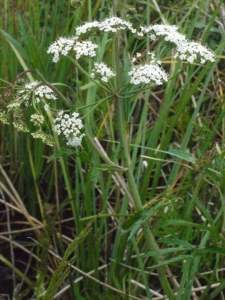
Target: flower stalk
column 123, row 136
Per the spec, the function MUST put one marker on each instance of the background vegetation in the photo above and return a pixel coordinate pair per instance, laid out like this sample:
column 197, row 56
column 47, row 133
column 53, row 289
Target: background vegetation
column 68, row 227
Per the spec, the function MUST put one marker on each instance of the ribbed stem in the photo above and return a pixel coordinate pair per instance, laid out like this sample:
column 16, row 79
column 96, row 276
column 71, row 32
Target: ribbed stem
column 123, row 136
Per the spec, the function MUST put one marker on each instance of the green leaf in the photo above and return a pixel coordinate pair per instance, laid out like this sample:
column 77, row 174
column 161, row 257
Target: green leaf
column 24, row 30
column 135, row 221
column 16, row 45
column 175, row 241
column 132, row 220
column 186, row 223
column 60, row 152
column 215, row 250
column 172, row 260
column 84, row 156
column 63, row 269
column 105, row 167
column 177, row 153
column 30, row 42
column 165, row 251
column 182, row 154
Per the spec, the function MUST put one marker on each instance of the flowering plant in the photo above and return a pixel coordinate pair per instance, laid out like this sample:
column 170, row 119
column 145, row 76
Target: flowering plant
column 149, row 72
column 143, row 71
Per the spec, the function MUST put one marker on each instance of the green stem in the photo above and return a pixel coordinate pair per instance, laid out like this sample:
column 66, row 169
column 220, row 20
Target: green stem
column 38, row 195
column 150, row 240
column 123, row 135
column 104, row 157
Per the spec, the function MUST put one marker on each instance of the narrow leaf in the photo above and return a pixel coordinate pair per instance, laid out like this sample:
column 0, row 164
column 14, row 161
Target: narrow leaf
column 165, row 251
column 172, row 260
column 17, row 46
column 175, row 241
column 186, row 223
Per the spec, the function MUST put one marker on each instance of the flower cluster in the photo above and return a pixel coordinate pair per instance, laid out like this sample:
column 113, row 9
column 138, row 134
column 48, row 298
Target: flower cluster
column 148, row 74
column 37, row 119
column 185, row 50
column 88, row 27
column 46, row 138
column 110, row 25
column 102, row 72
column 192, row 51
column 41, row 92
column 85, row 48
column 70, row 127
column 169, row 32
column 115, row 24
column 20, row 125
column 4, row 118
column 64, row 45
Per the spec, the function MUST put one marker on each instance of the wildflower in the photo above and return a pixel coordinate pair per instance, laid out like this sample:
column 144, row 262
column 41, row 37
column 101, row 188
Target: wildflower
column 192, row 51
column 41, row 92
column 69, row 127
column 151, row 57
column 87, row 27
column 115, row 24
column 76, row 3
column 149, row 73
column 46, row 138
column 185, row 50
column 169, row 32
column 13, row 106
column 136, row 57
column 4, row 118
column 110, row 25
column 102, row 71
column 85, row 48
column 21, row 126
column 47, row 107
column 64, row 45
column 37, row 119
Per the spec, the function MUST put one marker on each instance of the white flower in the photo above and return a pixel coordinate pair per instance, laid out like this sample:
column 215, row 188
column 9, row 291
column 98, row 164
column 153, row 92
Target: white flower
column 47, row 107
column 62, row 46
column 111, row 25
column 41, row 92
column 136, row 56
column 185, row 50
column 169, row 32
column 44, row 92
column 85, row 48
column 87, row 27
column 148, row 74
column 192, row 51
column 115, row 24
column 70, row 127
column 102, row 71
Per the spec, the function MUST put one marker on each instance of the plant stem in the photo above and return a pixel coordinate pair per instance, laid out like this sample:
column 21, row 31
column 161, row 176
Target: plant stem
column 123, row 136
column 150, row 240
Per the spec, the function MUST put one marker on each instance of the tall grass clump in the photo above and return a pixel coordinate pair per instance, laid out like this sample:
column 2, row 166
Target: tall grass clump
column 112, row 164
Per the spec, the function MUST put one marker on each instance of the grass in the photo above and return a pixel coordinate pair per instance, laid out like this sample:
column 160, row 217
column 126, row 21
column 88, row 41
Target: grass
column 139, row 212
